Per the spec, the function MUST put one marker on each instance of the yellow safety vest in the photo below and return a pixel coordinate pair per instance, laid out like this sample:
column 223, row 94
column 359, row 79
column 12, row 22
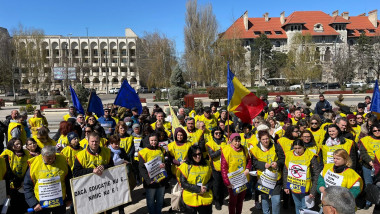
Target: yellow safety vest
column 215, row 147
column 280, row 133
column 285, row 143
column 248, row 142
column 377, row 155
column 167, row 126
column 84, row 142
column 196, row 175
column 179, row 153
column 294, row 121
column 66, row 117
column 371, row 145
column 147, row 155
column 346, row 179
column 35, row 122
column 209, row 123
column 63, row 140
column 88, row 160
column 195, row 136
column 192, row 113
column 39, row 171
column 13, row 125
column 70, row 154
column 327, row 151
column 3, row 168
column 296, row 166
column 324, row 125
column 126, row 143
column 266, row 157
column 227, row 123
column 234, row 159
column 42, row 145
column 116, row 119
column 318, row 136
column 314, row 149
column 216, row 114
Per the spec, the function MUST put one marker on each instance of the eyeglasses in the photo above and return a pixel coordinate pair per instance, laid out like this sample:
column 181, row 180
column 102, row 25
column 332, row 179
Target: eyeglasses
column 376, row 130
column 91, row 119
column 306, row 136
column 197, row 154
column 217, row 133
column 359, row 118
column 314, row 123
column 353, row 120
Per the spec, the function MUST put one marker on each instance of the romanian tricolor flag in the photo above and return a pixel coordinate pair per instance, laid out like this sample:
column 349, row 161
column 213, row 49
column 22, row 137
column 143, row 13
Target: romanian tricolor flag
column 241, row 101
column 375, row 103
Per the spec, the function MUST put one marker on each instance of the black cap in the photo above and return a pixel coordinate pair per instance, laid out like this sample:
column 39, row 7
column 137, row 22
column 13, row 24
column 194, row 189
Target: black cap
column 207, row 109
column 361, row 105
column 134, row 109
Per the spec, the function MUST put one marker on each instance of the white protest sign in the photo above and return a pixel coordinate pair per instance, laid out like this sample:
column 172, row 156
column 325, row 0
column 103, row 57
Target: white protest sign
column 50, row 192
column 153, row 167
column 94, row 194
column 237, row 178
column 330, row 157
column 268, row 179
column 333, row 179
column 3, row 192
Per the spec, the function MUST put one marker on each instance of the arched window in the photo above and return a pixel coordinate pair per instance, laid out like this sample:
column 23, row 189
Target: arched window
column 277, row 44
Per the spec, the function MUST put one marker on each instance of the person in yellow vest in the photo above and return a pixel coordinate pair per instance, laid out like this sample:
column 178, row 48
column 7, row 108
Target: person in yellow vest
column 309, row 141
column 368, row 147
column 160, row 117
column 137, row 143
column 206, row 133
column 93, row 159
column 64, row 129
column 214, row 111
column 339, row 173
column 334, row 141
column 72, row 149
column 37, row 121
column 43, row 138
column 291, row 133
column 16, row 129
column 194, row 135
column 51, row 167
column 235, row 159
column 196, row 179
column 5, row 175
column 300, row 174
column 72, row 113
column 356, row 128
column 316, row 130
column 17, row 157
column 178, row 150
column 280, row 133
column 84, row 142
column 297, row 117
column 154, row 186
column 208, row 118
column 192, row 113
column 31, row 146
column 268, row 161
column 224, row 118
column 247, row 136
column 126, row 140
column 160, row 125
column 214, row 148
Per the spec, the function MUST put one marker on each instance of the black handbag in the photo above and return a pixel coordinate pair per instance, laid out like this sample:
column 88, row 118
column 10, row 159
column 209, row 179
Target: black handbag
column 372, row 193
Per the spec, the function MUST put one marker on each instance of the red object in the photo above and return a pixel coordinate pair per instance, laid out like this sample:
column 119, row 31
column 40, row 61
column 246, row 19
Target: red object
column 189, row 101
column 143, row 100
column 43, row 107
column 282, row 93
column 249, row 108
column 338, row 92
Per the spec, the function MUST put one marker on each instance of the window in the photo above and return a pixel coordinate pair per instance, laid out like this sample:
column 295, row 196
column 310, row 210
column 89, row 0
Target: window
column 246, row 42
column 361, row 31
column 132, row 52
column 277, row 44
column 319, row 27
column 278, row 32
column 257, row 32
column 114, row 60
column 124, row 52
column 47, row 52
column 268, row 32
column 95, row 52
column 85, row 52
column 371, row 30
column 124, row 60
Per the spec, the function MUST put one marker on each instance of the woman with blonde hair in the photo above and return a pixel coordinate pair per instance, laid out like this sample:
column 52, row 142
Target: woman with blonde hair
column 339, row 173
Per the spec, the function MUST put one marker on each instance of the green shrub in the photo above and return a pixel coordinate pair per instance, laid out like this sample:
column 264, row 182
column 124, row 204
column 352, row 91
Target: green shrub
column 262, row 91
column 60, row 101
column 217, row 93
column 29, row 108
column 158, row 94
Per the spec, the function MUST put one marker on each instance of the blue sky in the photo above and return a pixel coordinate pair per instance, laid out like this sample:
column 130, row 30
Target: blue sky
column 110, row 18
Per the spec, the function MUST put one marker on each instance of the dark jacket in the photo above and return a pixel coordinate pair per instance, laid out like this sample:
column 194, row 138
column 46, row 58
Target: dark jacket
column 322, row 105
column 78, row 169
column 352, row 151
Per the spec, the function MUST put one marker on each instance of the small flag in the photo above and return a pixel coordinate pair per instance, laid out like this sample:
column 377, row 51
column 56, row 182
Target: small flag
column 95, row 105
column 375, row 103
column 175, row 121
column 128, row 98
column 241, row 101
column 75, row 101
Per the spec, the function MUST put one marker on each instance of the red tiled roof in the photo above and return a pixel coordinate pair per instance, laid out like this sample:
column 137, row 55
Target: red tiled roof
column 307, row 18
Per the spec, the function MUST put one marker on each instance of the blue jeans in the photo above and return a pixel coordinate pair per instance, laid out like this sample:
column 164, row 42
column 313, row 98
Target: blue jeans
column 299, row 201
column 155, row 199
column 367, row 179
column 275, row 203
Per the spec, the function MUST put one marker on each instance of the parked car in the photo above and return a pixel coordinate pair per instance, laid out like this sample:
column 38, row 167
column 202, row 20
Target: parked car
column 43, row 93
column 334, row 85
column 355, row 84
column 294, row 87
column 306, row 86
column 114, row 90
column 55, row 92
column 144, row 90
column 22, row 92
column 9, row 94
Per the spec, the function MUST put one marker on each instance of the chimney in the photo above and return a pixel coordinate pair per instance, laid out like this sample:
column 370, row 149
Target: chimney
column 363, row 14
column 266, row 16
column 335, row 13
column 245, row 19
column 282, row 17
column 372, row 16
column 345, row 15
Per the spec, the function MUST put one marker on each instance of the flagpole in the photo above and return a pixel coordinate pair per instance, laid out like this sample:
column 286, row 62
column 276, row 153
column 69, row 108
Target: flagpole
column 88, row 102
column 228, row 126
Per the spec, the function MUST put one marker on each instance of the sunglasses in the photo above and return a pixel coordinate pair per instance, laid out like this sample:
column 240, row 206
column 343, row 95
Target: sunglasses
column 314, row 123
column 218, row 133
column 376, row 130
column 197, row 154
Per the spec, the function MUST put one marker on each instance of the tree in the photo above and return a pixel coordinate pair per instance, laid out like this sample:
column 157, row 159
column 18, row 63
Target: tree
column 364, row 51
column 177, row 89
column 156, row 59
column 261, row 53
column 301, row 63
column 376, row 56
column 275, row 64
column 83, row 94
column 6, row 66
column 343, row 66
column 200, row 34
column 28, row 55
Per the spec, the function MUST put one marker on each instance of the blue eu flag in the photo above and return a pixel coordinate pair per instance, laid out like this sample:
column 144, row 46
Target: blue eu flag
column 128, row 98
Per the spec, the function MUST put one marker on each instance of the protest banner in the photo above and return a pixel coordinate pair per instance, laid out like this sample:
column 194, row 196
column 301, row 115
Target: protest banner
column 238, row 180
column 296, row 180
column 267, row 181
column 94, row 194
column 154, row 170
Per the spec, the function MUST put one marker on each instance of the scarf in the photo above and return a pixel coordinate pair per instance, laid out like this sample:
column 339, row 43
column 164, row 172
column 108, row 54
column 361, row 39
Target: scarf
column 219, row 141
column 263, row 147
column 339, row 169
column 136, row 135
column 332, row 142
column 116, row 156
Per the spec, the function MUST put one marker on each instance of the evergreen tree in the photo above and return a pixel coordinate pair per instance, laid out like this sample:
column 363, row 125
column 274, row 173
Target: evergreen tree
column 177, row 89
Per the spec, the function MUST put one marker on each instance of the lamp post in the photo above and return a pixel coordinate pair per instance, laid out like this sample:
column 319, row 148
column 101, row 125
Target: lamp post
column 106, row 61
column 67, row 67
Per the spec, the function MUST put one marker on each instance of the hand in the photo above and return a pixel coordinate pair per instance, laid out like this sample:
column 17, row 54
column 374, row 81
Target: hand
column 68, row 203
column 287, row 191
column 311, row 196
column 203, row 190
column 322, row 189
column 267, row 165
column 274, row 165
column 246, row 172
column 323, row 109
column 181, row 162
column 37, row 208
column 162, row 166
column 230, row 186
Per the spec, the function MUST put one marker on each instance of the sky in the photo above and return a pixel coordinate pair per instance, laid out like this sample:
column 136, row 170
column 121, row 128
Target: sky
column 110, row 18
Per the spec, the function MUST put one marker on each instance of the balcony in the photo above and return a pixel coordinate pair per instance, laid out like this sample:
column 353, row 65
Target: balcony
column 94, row 64
column 114, row 74
column 24, row 75
column 123, row 64
column 133, row 74
column 56, row 64
column 132, row 64
column 124, row 74
column 95, row 74
column 113, row 64
column 103, row 64
column 75, row 64
column 85, row 64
